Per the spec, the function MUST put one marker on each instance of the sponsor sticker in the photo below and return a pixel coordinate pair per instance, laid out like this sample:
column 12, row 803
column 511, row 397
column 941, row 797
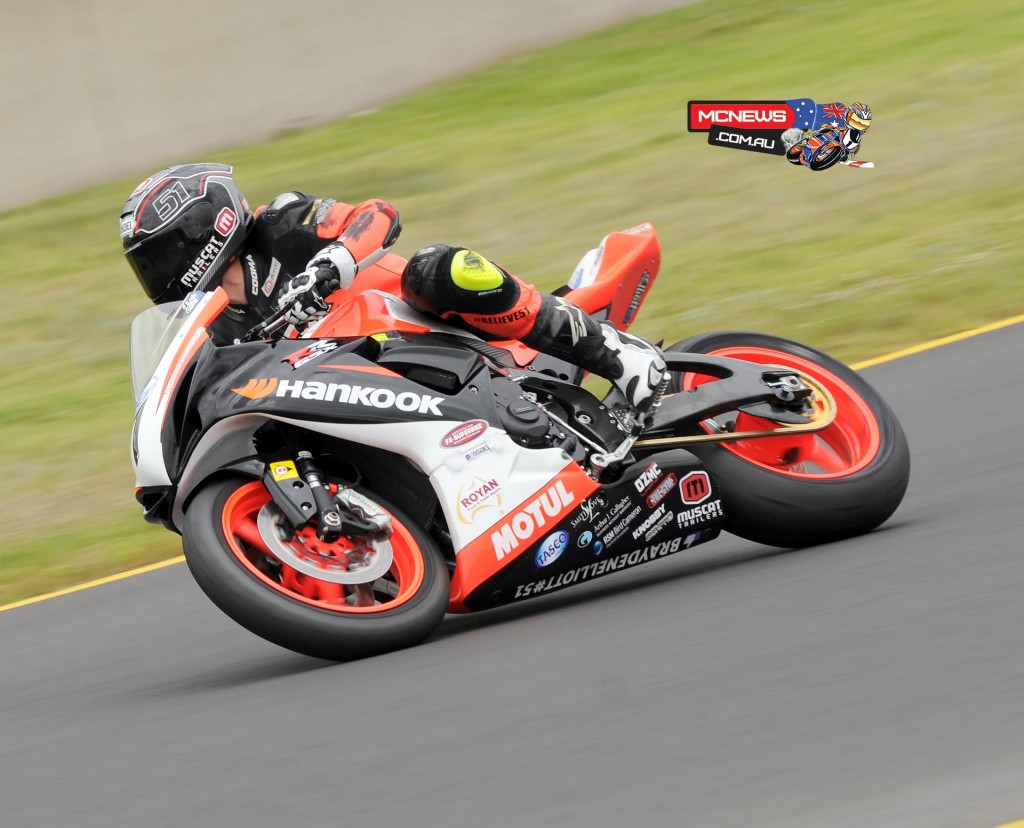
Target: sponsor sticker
column 536, row 514
column 638, row 295
column 304, row 355
column 610, row 515
column 551, row 548
column 589, row 509
column 191, row 301
column 648, row 477
column 665, row 520
column 584, row 540
column 271, row 280
column 340, row 392
column 254, row 276
column 226, row 220
column 202, row 262
column 660, row 492
column 703, row 513
column 695, row 487
column 619, row 528
column 479, row 493
column 464, row 433
column 284, row 470
column 649, row 521
column 477, row 453
column 639, row 229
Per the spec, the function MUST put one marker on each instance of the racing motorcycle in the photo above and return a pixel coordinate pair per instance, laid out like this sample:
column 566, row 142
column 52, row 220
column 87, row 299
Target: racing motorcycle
column 822, row 150
column 338, row 493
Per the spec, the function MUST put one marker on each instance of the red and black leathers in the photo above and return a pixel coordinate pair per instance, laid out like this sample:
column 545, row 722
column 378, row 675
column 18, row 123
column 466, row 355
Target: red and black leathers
column 440, row 280
column 512, row 309
column 289, row 232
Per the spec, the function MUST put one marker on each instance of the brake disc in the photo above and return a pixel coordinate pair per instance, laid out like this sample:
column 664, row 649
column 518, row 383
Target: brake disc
column 282, row 540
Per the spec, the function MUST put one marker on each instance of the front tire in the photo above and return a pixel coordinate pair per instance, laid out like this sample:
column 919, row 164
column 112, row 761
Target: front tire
column 288, row 604
column 827, row 156
column 800, row 490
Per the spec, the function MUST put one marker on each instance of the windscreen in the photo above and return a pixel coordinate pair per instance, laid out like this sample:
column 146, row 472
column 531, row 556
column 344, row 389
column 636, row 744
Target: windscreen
column 152, row 333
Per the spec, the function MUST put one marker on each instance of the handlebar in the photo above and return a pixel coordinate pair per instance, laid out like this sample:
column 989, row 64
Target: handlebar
column 268, row 326
column 327, row 282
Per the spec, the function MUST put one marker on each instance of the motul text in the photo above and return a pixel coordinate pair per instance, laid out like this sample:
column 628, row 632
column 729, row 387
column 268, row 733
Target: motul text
column 525, row 523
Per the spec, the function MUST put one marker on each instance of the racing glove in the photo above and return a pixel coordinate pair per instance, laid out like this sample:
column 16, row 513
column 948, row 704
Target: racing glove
column 338, row 258
column 304, row 297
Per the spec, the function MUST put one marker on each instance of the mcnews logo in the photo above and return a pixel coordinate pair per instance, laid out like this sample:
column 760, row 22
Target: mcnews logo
column 808, row 134
column 749, row 125
column 743, row 114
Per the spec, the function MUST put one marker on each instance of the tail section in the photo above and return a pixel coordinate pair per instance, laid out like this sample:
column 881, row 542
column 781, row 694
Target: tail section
column 612, row 280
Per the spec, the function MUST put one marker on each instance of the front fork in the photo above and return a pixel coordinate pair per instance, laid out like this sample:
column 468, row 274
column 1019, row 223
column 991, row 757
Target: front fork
column 297, row 488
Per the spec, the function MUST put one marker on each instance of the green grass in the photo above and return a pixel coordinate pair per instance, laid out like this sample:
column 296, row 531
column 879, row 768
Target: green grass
column 532, row 162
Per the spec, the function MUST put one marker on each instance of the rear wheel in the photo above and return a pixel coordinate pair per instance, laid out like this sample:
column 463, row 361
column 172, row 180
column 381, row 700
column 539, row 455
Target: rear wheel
column 351, row 598
column 801, row 489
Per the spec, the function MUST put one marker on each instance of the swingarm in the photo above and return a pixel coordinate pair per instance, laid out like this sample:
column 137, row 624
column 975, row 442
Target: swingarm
column 779, row 395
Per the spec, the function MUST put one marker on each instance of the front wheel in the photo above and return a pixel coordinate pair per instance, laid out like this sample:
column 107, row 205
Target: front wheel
column 348, row 599
column 827, row 156
column 810, row 488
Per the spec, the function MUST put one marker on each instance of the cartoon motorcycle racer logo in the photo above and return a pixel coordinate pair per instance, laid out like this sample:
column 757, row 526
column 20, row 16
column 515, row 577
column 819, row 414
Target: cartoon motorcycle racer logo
column 833, row 136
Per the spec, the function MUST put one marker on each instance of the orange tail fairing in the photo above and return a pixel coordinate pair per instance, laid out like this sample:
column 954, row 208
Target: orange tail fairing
column 629, row 264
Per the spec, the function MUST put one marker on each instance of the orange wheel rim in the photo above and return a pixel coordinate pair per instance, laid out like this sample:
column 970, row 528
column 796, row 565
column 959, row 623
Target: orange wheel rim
column 244, row 540
column 846, row 446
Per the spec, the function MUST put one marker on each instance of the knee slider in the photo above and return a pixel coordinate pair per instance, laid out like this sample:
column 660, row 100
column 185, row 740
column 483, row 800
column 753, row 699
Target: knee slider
column 425, row 276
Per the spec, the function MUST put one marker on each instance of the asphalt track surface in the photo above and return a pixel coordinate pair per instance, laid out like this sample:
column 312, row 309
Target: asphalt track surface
column 874, row 682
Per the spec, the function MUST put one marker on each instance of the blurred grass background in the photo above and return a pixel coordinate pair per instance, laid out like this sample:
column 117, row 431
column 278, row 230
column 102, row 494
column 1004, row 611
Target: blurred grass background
column 532, row 162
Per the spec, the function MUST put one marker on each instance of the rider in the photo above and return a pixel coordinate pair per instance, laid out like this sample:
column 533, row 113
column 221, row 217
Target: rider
column 189, row 228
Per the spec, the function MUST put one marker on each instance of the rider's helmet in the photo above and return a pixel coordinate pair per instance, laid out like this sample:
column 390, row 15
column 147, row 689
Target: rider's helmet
column 182, row 227
column 858, row 116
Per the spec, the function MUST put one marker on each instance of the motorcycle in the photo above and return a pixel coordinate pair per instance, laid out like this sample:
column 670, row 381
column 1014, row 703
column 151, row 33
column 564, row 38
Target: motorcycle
column 338, row 493
column 822, row 150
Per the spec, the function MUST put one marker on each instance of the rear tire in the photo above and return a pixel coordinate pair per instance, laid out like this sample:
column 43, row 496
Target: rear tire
column 794, row 491
column 320, row 618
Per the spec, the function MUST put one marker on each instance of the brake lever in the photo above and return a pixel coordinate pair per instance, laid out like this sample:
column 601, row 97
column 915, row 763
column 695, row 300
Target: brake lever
column 268, row 326
column 278, row 319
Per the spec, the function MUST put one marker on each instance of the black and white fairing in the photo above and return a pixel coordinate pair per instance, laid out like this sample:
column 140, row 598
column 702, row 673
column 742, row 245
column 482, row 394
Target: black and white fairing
column 426, row 398
column 664, row 504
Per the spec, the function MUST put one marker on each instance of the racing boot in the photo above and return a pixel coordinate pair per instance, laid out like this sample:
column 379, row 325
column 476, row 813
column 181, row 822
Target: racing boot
column 635, row 366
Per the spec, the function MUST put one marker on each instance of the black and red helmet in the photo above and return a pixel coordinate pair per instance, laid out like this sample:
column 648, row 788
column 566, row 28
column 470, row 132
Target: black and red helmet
column 182, row 227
